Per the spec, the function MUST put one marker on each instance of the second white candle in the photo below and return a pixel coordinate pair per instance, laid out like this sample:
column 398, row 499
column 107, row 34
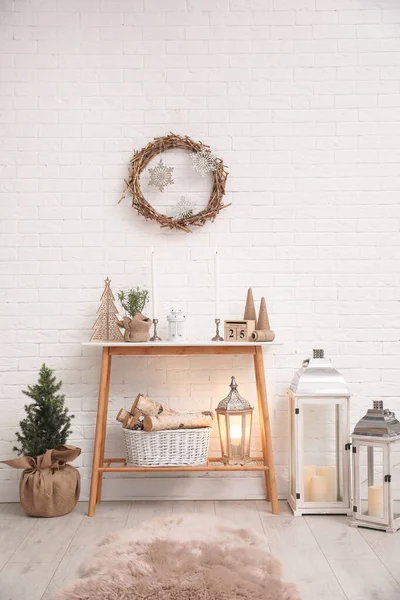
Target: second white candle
column 216, row 283
column 153, row 283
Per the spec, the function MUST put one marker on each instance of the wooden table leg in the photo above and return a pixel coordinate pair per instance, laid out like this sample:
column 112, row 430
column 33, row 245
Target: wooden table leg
column 101, row 422
column 265, row 426
column 103, row 435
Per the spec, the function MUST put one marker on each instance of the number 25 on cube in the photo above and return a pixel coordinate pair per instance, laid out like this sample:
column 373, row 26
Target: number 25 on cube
column 238, row 331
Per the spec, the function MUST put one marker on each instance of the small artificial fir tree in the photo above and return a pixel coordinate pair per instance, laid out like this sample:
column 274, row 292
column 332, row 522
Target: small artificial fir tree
column 47, row 423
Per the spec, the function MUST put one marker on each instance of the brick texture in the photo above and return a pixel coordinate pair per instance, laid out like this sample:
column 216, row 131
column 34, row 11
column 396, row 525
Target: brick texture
column 300, row 98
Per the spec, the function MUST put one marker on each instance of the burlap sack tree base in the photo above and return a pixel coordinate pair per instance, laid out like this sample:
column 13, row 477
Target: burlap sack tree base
column 139, row 162
column 48, row 487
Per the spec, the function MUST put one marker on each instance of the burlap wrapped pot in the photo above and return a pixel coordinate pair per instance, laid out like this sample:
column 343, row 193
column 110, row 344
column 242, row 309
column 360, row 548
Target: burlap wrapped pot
column 136, row 329
column 48, row 487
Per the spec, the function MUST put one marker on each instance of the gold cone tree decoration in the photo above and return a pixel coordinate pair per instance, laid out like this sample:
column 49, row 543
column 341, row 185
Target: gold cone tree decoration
column 106, row 328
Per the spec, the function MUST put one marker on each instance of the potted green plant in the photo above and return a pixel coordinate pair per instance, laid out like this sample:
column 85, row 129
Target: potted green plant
column 136, row 324
column 49, row 487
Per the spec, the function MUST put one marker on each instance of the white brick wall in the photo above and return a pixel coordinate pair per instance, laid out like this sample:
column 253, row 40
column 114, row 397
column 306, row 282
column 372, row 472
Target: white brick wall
column 300, row 98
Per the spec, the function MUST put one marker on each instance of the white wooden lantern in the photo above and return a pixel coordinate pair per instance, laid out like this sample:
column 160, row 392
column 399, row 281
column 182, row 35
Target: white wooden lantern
column 319, row 456
column 176, row 326
column 376, row 441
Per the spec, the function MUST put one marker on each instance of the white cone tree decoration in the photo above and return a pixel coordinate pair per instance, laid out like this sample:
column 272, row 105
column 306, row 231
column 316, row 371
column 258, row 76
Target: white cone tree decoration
column 105, row 327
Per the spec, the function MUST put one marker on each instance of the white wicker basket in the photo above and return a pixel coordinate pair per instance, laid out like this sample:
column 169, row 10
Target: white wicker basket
column 169, row 448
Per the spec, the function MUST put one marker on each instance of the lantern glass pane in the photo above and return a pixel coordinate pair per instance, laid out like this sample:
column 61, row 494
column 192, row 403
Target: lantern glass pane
column 222, row 433
column 248, row 433
column 371, row 481
column 323, row 447
column 292, row 461
column 235, row 432
column 395, row 482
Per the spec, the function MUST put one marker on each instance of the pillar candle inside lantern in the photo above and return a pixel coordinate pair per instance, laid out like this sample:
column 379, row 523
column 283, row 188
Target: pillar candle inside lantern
column 330, row 475
column 318, row 488
column 375, row 501
column 309, row 471
column 236, row 438
column 327, row 482
column 236, row 433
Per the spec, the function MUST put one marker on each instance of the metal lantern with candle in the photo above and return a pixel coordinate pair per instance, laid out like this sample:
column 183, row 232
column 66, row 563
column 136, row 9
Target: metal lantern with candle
column 376, row 441
column 319, row 457
column 234, row 415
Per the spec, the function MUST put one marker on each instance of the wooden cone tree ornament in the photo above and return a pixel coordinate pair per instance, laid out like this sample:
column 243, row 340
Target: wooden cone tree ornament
column 263, row 321
column 263, row 333
column 250, row 309
column 106, row 328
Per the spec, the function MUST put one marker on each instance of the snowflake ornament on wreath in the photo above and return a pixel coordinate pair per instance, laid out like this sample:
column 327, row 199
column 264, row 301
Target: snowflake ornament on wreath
column 161, row 176
column 203, row 161
column 183, row 209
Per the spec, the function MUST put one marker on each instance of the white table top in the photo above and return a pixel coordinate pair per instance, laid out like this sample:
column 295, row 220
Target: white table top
column 181, row 344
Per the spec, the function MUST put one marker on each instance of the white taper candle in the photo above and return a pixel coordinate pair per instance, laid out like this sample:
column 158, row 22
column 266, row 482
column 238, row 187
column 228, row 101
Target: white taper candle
column 153, row 283
column 216, row 283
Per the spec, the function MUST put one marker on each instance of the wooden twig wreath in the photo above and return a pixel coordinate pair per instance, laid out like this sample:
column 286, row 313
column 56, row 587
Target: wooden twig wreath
column 141, row 159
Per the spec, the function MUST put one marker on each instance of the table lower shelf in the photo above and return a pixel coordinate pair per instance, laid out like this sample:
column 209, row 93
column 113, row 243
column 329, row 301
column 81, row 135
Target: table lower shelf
column 213, row 464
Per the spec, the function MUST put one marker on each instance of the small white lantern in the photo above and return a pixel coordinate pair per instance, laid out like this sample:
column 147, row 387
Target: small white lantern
column 376, row 440
column 176, row 326
column 319, row 457
column 234, row 415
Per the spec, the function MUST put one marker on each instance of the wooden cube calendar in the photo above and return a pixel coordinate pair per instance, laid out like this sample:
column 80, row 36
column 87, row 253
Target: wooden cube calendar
column 239, row 330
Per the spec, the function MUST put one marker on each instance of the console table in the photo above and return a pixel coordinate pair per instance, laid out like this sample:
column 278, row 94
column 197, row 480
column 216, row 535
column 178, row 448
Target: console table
column 103, row 465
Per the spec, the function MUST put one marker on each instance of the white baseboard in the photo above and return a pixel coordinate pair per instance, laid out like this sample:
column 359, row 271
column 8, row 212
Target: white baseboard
column 180, row 488
column 163, row 488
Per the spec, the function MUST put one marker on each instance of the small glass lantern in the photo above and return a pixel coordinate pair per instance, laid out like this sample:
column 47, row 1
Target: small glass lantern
column 176, row 326
column 234, row 415
column 319, row 457
column 376, row 442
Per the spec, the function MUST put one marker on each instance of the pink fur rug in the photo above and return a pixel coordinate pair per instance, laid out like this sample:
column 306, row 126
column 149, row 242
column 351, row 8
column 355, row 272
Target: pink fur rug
column 191, row 557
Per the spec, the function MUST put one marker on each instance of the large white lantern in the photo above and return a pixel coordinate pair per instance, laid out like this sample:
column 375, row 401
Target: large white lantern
column 376, row 481
column 319, row 456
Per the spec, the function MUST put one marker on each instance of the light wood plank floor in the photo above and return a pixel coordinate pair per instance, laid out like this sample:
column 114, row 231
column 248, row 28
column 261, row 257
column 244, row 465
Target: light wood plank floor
column 325, row 557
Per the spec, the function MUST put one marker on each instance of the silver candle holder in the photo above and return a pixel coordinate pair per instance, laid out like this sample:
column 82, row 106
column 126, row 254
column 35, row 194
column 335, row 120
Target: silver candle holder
column 217, row 337
column 155, row 337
